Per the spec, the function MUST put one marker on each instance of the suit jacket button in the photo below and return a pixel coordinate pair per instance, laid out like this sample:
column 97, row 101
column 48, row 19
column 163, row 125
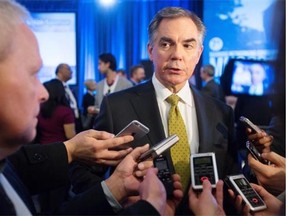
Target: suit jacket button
column 38, row 157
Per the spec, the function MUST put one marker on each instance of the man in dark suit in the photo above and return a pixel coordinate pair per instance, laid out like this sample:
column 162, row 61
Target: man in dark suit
column 210, row 87
column 175, row 46
column 38, row 168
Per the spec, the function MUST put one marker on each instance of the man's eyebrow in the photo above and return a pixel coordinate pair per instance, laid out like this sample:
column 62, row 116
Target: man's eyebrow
column 190, row 40
column 166, row 39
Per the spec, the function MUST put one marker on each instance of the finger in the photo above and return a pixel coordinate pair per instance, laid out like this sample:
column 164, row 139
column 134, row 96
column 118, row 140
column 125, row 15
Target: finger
column 256, row 165
column 219, row 192
column 192, row 196
column 176, row 177
column 118, row 141
column 138, row 151
column 207, row 185
column 102, row 135
column 238, row 204
column 145, row 165
column 108, row 162
column 273, row 157
column 114, row 155
column 231, row 194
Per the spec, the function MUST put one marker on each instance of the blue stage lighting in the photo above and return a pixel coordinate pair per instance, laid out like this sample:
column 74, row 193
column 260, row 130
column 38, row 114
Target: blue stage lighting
column 107, row 3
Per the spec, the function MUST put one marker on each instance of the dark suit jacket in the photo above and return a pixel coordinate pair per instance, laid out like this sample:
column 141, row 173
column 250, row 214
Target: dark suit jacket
column 213, row 89
column 38, row 168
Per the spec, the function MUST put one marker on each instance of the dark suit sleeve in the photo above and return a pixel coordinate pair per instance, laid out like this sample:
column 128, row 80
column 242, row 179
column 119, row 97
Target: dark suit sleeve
column 140, row 208
column 91, row 202
column 41, row 167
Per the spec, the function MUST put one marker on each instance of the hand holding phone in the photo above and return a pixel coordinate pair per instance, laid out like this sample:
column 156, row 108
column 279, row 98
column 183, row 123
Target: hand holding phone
column 159, row 148
column 240, row 185
column 255, row 153
column 203, row 166
column 249, row 124
column 135, row 129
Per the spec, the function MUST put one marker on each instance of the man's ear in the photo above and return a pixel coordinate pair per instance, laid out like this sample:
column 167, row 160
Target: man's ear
column 150, row 49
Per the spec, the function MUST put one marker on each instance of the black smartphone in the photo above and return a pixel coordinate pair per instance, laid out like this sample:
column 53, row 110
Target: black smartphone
column 159, row 148
column 250, row 124
column 240, row 185
column 165, row 170
column 203, row 167
column 255, row 153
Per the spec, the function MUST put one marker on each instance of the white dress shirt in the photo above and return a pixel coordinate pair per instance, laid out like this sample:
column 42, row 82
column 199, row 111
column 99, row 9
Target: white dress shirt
column 187, row 109
column 19, row 205
column 72, row 100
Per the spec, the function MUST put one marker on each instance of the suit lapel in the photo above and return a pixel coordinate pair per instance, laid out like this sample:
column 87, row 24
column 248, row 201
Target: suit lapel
column 146, row 108
column 202, row 112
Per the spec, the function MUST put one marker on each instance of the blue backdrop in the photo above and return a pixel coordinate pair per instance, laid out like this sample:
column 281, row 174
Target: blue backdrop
column 120, row 29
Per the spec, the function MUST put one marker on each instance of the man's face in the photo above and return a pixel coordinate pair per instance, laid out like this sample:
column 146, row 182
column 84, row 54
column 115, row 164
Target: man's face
column 175, row 52
column 21, row 91
column 257, row 74
column 139, row 74
column 66, row 72
column 103, row 67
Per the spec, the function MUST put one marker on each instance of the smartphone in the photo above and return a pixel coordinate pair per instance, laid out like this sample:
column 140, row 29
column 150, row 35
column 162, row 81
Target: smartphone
column 255, row 153
column 135, row 129
column 159, row 148
column 165, row 170
column 250, row 124
column 240, row 185
column 203, row 167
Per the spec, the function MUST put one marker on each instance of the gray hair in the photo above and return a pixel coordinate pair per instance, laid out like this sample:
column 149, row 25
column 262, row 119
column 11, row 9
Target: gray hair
column 209, row 69
column 11, row 14
column 172, row 13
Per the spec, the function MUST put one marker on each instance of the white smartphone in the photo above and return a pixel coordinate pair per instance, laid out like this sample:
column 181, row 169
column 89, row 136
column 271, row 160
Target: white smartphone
column 203, row 167
column 159, row 148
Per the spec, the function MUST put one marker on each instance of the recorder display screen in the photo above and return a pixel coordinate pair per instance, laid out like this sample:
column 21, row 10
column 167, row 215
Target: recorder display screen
column 242, row 183
column 162, row 164
column 203, row 161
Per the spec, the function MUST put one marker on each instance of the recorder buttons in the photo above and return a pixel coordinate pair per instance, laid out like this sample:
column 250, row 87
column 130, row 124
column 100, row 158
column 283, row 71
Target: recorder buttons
column 203, row 178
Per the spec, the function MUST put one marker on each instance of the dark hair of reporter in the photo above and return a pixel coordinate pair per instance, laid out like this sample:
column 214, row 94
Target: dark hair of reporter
column 56, row 97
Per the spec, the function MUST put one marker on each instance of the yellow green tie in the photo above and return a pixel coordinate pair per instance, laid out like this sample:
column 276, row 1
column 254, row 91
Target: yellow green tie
column 180, row 152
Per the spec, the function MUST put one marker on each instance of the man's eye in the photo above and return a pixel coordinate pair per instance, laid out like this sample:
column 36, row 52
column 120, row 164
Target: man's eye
column 189, row 46
column 165, row 45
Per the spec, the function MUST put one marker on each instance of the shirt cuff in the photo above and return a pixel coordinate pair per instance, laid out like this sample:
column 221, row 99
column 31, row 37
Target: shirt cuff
column 110, row 198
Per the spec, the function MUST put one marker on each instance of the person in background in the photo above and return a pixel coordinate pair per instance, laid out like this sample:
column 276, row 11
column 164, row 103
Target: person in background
column 88, row 100
column 56, row 123
column 211, row 87
column 56, row 120
column 137, row 74
column 64, row 74
column 30, row 169
column 111, row 83
column 258, row 76
column 122, row 72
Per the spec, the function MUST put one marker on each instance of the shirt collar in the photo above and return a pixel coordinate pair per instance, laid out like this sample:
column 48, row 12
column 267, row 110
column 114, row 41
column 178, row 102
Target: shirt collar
column 162, row 92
